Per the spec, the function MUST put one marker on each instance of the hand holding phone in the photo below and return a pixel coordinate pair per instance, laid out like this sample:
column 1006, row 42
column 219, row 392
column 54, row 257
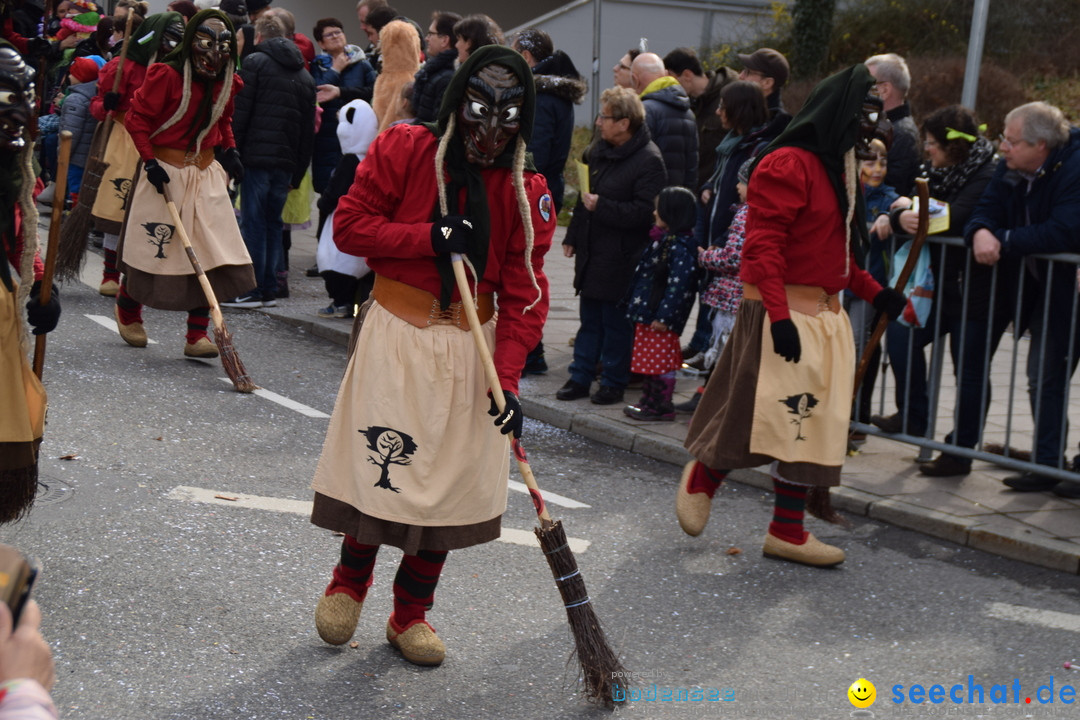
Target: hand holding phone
column 24, row 654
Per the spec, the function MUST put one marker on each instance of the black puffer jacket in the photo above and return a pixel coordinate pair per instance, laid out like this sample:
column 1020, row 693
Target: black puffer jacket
column 609, row 241
column 430, row 83
column 674, row 130
column 274, row 119
column 558, row 88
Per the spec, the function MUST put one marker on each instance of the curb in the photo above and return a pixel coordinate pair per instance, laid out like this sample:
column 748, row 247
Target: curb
column 1042, row 552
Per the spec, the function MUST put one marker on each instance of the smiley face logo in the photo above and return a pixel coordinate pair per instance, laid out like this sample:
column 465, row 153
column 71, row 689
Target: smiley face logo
column 862, row 693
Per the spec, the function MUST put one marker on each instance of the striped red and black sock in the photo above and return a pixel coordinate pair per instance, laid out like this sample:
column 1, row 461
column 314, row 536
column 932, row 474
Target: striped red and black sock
column 353, row 574
column 705, row 480
column 788, row 512
column 198, row 320
column 414, row 585
column 128, row 308
column 110, row 272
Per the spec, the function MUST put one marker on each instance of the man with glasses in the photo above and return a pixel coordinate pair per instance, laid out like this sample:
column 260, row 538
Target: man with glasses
column 433, row 77
column 768, row 69
column 892, row 80
column 1032, row 206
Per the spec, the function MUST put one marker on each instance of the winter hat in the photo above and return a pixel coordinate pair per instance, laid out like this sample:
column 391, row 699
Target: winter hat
column 743, row 173
column 254, row 6
column 233, row 7
column 83, row 70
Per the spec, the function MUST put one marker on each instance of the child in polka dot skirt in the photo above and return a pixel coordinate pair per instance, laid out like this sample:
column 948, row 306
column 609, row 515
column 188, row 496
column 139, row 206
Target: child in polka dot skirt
column 661, row 296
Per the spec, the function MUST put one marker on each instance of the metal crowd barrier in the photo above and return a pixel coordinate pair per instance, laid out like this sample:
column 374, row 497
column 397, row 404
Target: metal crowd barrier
column 1006, row 417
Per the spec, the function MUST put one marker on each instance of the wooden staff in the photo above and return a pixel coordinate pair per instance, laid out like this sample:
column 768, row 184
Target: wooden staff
column 63, row 159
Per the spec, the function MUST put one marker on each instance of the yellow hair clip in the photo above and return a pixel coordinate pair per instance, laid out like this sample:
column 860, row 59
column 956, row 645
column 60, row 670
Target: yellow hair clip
column 951, row 134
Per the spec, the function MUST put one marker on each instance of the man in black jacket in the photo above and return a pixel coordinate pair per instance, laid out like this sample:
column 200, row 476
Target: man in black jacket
column 704, row 88
column 434, row 75
column 667, row 113
column 274, row 127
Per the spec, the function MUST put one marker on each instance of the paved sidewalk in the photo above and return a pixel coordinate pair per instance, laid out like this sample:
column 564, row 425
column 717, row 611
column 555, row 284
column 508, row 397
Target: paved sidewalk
column 880, row 482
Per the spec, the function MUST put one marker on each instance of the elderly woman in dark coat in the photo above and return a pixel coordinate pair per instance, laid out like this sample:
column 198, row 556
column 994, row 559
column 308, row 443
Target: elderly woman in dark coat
column 607, row 235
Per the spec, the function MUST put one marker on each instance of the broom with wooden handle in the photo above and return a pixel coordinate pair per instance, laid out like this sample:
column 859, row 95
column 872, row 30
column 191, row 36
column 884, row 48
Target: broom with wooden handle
column 599, row 663
column 818, row 502
column 234, row 367
column 63, row 159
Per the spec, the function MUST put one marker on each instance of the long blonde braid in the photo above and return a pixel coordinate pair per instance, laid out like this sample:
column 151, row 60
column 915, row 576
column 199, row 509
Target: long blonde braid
column 29, row 235
column 517, row 177
column 851, row 175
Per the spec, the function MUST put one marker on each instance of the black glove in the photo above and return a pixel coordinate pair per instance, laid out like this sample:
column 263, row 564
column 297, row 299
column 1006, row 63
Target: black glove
column 37, row 47
column 451, row 234
column 111, row 101
column 891, row 302
column 511, row 419
column 156, row 174
column 230, row 160
column 785, row 340
column 43, row 318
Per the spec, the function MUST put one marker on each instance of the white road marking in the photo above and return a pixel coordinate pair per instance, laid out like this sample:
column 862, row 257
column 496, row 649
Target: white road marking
column 549, row 497
column 1033, row 616
column 185, row 493
column 285, row 402
column 110, row 324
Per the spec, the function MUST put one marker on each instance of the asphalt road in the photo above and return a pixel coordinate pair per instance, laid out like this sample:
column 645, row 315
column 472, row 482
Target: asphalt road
column 164, row 602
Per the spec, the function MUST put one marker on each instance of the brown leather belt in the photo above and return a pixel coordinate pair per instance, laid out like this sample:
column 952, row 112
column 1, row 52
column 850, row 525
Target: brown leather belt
column 806, row 299
column 182, row 158
column 421, row 308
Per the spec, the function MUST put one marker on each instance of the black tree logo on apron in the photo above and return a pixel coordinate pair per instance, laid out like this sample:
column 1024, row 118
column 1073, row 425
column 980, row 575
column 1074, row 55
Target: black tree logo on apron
column 799, row 406
column 123, row 187
column 391, row 448
column 160, row 236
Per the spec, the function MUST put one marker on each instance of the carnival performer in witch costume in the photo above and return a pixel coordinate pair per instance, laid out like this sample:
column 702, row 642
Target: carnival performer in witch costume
column 782, row 389
column 410, row 458
column 155, row 37
column 179, row 119
column 22, row 398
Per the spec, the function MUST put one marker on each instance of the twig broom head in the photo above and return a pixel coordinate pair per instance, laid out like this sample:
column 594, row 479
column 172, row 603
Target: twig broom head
column 234, row 367
column 599, row 663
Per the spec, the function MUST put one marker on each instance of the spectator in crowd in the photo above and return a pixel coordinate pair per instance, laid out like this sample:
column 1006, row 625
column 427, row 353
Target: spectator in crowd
column 622, row 69
column 236, row 11
column 348, row 278
column 703, row 87
column 363, row 8
column 432, row 78
column 959, row 165
column 559, row 87
column 668, row 116
column 769, row 69
column 606, row 237
column 377, row 19
column 75, row 115
column 892, row 80
column 400, row 47
column 184, row 7
column 274, row 128
column 1032, row 206
column 475, row 31
column 288, row 21
column 341, row 66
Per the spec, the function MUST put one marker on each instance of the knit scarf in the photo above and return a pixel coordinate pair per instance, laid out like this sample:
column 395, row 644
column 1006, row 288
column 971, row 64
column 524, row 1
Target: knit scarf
column 945, row 182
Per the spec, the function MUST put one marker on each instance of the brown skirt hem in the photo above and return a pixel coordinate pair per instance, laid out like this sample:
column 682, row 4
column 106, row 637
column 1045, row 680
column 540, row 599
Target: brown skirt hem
column 183, row 292
column 341, row 517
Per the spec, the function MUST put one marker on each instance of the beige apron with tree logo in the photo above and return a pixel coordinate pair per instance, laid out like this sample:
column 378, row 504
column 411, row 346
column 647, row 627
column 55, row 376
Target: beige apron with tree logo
column 802, row 410
column 410, row 440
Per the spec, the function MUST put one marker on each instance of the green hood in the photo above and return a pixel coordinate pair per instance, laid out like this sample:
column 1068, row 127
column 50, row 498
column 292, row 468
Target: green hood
column 146, row 39
column 179, row 57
